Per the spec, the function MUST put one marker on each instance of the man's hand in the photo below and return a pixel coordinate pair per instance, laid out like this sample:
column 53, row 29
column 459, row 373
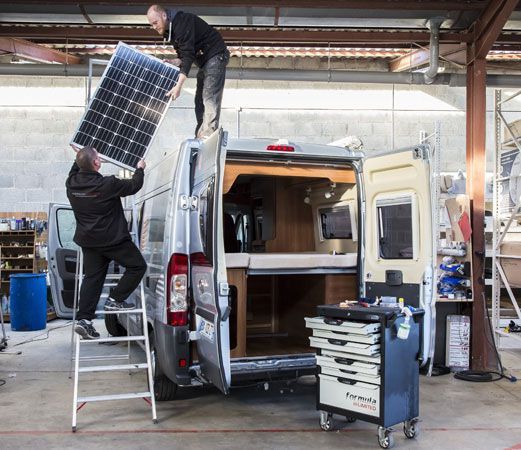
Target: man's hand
column 175, row 92
column 141, row 164
column 174, row 62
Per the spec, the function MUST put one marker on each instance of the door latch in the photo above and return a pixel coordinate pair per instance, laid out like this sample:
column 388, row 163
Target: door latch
column 224, row 289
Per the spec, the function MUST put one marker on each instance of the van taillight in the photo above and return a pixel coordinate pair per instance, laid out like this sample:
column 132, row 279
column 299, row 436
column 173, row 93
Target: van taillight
column 176, row 293
column 281, row 148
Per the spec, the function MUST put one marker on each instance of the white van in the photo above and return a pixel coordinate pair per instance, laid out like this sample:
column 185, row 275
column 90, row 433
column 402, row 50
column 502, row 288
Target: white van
column 243, row 238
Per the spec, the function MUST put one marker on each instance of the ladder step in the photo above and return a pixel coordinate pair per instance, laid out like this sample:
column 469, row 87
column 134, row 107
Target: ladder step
column 114, row 339
column 102, row 357
column 101, row 398
column 128, row 311
column 114, row 367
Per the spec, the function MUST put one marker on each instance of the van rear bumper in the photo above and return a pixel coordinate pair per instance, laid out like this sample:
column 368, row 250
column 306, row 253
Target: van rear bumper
column 172, row 346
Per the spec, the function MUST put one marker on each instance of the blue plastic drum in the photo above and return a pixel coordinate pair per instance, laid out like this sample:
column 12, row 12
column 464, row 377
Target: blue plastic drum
column 28, row 302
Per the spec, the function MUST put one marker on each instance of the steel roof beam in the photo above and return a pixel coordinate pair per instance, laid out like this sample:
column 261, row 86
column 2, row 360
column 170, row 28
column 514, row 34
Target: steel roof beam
column 230, row 35
column 452, row 52
column 447, row 5
column 488, row 26
column 34, row 52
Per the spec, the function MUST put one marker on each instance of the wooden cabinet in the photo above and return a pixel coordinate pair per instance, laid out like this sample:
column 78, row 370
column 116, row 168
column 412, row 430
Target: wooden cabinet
column 17, row 255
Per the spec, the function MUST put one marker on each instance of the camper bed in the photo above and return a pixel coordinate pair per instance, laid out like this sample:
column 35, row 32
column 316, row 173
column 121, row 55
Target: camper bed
column 292, row 263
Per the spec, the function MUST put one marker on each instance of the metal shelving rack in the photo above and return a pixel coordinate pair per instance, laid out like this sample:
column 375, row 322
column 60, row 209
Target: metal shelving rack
column 502, row 221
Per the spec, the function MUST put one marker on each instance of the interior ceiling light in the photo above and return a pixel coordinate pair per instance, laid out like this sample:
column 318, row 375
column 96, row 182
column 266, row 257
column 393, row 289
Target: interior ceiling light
column 307, row 198
column 331, row 191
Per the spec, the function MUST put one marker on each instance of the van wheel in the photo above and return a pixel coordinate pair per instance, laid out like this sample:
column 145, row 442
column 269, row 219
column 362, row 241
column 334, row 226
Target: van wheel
column 164, row 388
column 113, row 326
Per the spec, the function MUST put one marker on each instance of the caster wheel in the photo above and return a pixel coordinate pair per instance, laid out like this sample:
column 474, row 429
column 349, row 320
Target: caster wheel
column 326, row 421
column 74, row 429
column 155, row 421
column 350, row 419
column 411, row 429
column 385, row 438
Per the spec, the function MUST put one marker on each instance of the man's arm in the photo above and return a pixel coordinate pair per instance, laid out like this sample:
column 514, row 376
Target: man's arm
column 74, row 169
column 186, row 53
column 123, row 188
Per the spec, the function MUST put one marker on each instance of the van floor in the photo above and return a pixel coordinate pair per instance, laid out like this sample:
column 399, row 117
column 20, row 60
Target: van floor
column 264, row 346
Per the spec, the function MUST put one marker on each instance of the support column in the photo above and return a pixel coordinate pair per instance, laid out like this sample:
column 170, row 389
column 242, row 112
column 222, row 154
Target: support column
column 482, row 353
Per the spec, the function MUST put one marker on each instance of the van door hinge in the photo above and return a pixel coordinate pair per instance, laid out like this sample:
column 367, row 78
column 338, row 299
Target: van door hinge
column 194, row 202
column 421, row 152
column 194, row 336
column 184, row 201
column 224, row 289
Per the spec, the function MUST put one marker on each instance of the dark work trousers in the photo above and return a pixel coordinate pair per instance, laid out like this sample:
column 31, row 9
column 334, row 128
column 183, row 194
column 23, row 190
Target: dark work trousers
column 96, row 261
column 209, row 94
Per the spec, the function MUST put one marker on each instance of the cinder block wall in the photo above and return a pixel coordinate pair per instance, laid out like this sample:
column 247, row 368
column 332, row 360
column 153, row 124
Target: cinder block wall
column 39, row 116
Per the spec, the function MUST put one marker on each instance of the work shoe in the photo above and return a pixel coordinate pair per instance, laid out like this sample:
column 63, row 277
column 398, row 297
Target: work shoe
column 113, row 305
column 85, row 329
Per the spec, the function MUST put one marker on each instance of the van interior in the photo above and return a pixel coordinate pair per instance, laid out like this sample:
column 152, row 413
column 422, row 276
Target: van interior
column 290, row 238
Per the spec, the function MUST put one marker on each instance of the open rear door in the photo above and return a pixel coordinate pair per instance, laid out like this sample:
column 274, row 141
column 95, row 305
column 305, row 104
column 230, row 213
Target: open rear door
column 61, row 257
column 398, row 255
column 208, row 271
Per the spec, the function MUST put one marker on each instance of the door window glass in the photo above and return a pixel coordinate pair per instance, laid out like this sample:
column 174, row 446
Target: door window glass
column 206, row 209
column 66, row 228
column 395, row 228
column 153, row 222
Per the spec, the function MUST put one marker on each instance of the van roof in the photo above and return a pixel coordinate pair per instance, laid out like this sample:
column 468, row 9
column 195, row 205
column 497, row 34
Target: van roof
column 283, row 146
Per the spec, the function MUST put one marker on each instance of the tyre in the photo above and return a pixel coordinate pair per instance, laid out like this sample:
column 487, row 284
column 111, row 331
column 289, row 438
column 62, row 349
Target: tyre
column 326, row 421
column 164, row 388
column 113, row 326
column 411, row 429
column 385, row 438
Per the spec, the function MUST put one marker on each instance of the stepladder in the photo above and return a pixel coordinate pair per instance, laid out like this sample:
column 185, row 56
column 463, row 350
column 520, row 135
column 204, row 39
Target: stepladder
column 87, row 357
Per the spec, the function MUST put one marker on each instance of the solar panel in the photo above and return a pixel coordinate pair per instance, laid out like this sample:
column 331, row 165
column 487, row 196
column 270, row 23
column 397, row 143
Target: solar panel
column 127, row 107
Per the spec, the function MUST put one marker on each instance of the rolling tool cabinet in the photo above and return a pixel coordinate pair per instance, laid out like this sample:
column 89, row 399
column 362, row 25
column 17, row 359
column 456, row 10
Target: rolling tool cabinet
column 365, row 371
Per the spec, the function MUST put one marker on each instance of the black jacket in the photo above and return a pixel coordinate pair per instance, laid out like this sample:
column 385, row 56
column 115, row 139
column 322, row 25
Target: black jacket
column 193, row 39
column 95, row 200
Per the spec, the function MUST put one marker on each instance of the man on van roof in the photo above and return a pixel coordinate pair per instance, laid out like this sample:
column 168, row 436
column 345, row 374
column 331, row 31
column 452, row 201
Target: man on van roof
column 102, row 233
column 195, row 42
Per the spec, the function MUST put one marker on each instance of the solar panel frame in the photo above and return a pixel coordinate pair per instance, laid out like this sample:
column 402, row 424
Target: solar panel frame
column 133, row 114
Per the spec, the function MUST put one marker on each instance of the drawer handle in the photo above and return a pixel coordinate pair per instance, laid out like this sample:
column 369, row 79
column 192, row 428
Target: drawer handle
column 333, row 321
column 344, row 361
column 346, row 381
column 336, row 342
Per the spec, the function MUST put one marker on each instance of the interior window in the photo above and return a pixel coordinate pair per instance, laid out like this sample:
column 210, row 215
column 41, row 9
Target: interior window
column 66, row 228
column 395, row 228
column 336, row 222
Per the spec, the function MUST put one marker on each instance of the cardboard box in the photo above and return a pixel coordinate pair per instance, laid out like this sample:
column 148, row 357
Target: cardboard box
column 515, row 127
column 511, row 266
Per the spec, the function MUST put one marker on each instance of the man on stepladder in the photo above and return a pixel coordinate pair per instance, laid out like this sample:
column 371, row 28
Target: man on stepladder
column 102, row 233
column 195, row 42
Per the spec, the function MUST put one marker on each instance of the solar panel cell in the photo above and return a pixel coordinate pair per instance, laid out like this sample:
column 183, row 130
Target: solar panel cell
column 127, row 107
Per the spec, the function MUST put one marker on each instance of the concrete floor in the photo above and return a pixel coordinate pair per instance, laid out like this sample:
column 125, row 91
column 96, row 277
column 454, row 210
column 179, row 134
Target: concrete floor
column 36, row 404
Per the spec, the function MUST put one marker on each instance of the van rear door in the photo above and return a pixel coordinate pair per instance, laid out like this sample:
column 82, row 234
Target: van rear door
column 61, row 257
column 398, row 254
column 208, row 271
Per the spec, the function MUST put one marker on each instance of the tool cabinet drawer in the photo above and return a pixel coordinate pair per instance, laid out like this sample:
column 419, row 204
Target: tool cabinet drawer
column 349, row 395
column 351, row 337
column 344, row 326
column 345, row 346
column 343, row 363
column 374, row 359
column 350, row 374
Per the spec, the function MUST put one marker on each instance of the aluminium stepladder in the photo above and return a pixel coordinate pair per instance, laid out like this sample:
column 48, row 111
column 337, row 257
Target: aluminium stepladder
column 77, row 342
